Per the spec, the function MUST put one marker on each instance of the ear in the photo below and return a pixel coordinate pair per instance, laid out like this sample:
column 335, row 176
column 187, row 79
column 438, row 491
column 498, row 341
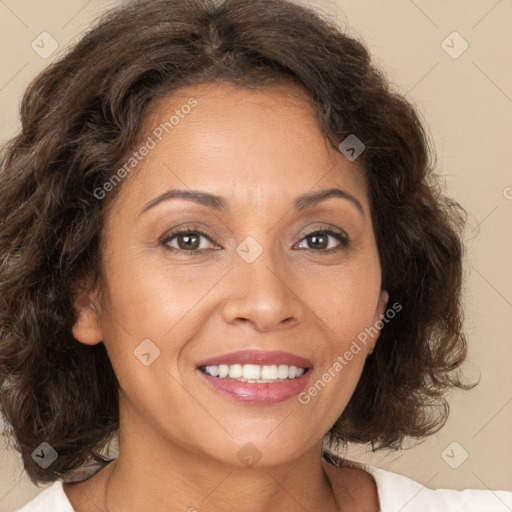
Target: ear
column 379, row 313
column 383, row 302
column 86, row 328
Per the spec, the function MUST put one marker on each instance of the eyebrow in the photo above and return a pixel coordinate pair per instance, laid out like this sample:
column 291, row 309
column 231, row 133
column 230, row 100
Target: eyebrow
column 214, row 202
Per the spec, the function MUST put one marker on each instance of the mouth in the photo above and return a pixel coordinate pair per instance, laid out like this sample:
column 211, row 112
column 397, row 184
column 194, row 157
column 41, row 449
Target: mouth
column 255, row 376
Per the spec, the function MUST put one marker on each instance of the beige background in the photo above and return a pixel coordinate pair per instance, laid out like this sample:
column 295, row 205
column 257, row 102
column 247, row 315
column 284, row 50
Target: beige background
column 467, row 104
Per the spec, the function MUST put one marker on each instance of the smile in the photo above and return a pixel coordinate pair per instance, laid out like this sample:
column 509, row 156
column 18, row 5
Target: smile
column 256, row 377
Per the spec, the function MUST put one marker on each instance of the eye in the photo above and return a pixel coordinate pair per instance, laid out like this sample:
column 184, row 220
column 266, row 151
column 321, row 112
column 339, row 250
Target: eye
column 325, row 241
column 193, row 241
column 187, row 240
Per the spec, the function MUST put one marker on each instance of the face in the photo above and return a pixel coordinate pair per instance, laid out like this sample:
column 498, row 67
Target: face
column 255, row 272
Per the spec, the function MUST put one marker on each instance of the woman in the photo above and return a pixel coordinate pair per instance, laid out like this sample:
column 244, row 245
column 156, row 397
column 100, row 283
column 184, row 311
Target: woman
column 221, row 242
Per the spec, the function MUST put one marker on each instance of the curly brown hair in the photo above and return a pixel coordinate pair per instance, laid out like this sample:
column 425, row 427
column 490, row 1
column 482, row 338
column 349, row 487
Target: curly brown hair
column 83, row 115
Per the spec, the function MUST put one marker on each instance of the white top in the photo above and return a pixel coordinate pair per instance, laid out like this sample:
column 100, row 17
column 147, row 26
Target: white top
column 397, row 493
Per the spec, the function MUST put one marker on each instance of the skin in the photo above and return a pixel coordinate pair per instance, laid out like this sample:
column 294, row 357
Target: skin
column 179, row 438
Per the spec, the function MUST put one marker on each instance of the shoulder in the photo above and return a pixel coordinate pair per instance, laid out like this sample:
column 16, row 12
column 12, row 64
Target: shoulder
column 53, row 498
column 56, row 497
column 397, row 492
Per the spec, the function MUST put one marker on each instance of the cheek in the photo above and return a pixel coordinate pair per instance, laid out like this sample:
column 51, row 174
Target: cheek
column 145, row 291
column 346, row 299
column 346, row 305
column 159, row 302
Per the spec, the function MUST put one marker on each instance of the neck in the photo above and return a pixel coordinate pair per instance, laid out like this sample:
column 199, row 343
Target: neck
column 151, row 469
column 179, row 481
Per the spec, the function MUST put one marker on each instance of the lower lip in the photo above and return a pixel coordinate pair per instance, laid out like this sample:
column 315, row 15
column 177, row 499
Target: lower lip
column 258, row 393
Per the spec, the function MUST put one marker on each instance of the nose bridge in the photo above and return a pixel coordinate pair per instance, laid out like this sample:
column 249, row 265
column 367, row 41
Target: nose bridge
column 262, row 294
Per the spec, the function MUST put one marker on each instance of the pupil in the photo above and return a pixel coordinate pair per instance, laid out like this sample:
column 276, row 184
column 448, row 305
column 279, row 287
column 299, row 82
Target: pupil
column 315, row 239
column 188, row 241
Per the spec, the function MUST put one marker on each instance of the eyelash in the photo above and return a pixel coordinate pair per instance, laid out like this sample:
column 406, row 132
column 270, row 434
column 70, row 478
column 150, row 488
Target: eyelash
column 192, row 230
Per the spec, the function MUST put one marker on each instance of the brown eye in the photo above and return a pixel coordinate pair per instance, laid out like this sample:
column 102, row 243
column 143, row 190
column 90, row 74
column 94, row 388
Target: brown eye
column 187, row 241
column 322, row 241
column 318, row 241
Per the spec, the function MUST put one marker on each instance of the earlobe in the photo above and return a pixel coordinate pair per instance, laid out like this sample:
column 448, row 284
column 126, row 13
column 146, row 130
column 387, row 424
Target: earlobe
column 379, row 313
column 383, row 302
column 86, row 328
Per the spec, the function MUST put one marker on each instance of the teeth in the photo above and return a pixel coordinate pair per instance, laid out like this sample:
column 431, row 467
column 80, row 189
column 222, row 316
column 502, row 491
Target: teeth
column 235, row 371
column 269, row 372
column 253, row 373
column 222, row 369
column 282, row 371
column 213, row 371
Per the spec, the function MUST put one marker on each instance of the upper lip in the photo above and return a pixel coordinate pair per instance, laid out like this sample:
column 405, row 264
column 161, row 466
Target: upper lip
column 258, row 357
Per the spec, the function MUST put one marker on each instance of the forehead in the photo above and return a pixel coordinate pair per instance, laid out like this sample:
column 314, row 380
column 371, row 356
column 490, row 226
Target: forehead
column 246, row 144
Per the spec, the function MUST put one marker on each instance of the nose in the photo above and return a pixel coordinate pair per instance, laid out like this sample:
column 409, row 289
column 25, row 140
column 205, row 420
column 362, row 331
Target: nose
column 262, row 294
